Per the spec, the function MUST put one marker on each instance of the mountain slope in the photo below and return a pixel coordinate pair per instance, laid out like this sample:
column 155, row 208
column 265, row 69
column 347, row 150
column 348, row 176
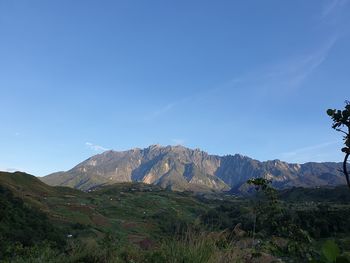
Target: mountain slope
column 134, row 212
column 181, row 168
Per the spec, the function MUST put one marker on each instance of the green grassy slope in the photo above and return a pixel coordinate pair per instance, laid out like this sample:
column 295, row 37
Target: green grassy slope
column 20, row 223
column 133, row 211
column 137, row 220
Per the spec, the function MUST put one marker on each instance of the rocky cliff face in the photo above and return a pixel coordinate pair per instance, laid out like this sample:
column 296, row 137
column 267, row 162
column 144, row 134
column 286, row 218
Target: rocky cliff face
column 180, row 168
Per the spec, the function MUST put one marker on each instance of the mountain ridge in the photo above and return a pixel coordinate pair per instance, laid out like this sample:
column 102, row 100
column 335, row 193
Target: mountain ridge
column 181, row 168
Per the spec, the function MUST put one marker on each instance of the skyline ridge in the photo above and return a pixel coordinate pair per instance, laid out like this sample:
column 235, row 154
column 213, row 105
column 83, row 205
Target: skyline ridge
column 182, row 168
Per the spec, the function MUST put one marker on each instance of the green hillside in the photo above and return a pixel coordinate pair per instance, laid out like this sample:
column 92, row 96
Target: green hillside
column 132, row 213
column 136, row 222
column 24, row 225
column 103, row 208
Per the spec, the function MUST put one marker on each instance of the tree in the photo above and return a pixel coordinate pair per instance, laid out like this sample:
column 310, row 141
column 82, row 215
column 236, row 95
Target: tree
column 264, row 211
column 341, row 123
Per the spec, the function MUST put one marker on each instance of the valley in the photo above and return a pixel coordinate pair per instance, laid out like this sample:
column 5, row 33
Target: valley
column 137, row 222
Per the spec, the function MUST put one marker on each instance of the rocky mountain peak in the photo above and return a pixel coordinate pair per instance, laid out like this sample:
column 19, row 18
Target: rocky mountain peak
column 181, row 168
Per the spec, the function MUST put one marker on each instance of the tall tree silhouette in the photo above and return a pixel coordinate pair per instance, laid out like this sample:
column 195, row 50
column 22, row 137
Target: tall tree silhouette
column 341, row 123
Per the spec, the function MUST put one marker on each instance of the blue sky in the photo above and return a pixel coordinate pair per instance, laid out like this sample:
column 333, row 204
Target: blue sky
column 250, row 77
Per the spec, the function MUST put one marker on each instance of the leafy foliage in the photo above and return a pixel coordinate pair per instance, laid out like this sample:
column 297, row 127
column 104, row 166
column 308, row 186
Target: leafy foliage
column 341, row 120
column 23, row 225
column 330, row 250
column 341, row 123
column 142, row 223
column 331, row 254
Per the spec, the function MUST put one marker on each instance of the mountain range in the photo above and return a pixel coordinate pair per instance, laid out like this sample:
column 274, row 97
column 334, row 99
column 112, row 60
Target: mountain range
column 180, row 168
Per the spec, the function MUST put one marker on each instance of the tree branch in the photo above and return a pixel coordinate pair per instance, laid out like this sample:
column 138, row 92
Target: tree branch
column 345, row 169
column 347, row 134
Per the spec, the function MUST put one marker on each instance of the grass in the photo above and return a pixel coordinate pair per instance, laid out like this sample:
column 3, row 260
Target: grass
column 124, row 209
column 134, row 222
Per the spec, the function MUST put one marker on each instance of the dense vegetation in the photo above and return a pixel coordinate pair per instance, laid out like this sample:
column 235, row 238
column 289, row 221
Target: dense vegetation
column 21, row 225
column 133, row 222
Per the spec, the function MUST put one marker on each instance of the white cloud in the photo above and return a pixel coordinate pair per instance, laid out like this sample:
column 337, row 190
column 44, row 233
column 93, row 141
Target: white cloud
column 95, row 147
column 299, row 70
column 318, row 152
column 10, row 170
column 161, row 111
column 331, row 6
column 178, row 141
column 288, row 74
column 165, row 109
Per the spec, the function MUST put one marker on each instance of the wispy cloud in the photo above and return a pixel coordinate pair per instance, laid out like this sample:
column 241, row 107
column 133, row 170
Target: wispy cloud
column 194, row 97
column 298, row 70
column 285, row 75
column 288, row 74
column 281, row 76
column 178, row 141
column 317, row 152
column 10, row 170
column 165, row 109
column 335, row 16
column 332, row 6
column 160, row 111
column 95, row 147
